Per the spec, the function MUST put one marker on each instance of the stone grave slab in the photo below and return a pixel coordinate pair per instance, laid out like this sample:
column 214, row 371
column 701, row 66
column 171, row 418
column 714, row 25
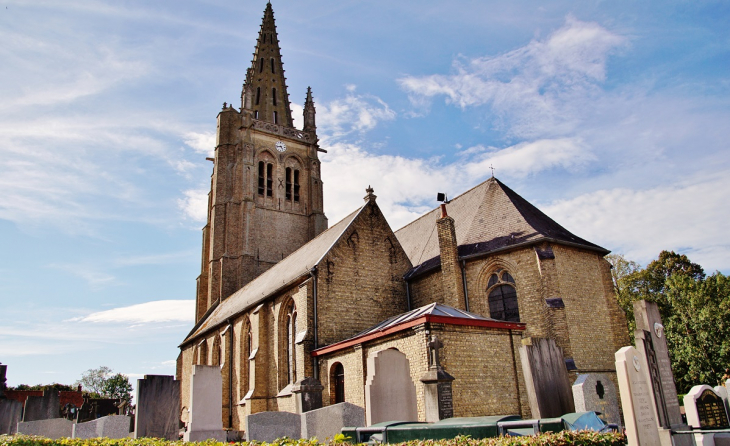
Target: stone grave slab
column 53, row 428
column 636, row 401
column 390, row 394
column 158, row 407
column 9, row 416
column 206, row 402
column 546, row 379
column 722, row 392
column 328, row 421
column 111, row 426
column 705, row 408
column 596, row 392
column 268, row 426
column 42, row 407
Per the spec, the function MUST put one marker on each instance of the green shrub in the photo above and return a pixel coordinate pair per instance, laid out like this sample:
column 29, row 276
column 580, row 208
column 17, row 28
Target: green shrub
column 565, row 438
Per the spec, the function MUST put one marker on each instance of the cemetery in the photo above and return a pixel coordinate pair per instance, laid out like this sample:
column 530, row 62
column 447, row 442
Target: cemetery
column 648, row 414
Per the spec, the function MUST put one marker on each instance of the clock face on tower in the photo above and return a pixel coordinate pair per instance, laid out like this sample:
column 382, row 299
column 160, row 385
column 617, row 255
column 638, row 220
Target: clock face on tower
column 280, row 146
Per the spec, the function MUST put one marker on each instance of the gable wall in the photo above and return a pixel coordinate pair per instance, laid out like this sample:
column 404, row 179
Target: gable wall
column 360, row 281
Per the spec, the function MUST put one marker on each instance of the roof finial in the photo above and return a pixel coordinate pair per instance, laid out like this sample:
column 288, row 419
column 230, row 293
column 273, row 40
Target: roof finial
column 492, row 167
column 370, row 195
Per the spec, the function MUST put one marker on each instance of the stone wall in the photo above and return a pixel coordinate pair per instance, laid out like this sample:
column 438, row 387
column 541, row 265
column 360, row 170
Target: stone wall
column 360, row 281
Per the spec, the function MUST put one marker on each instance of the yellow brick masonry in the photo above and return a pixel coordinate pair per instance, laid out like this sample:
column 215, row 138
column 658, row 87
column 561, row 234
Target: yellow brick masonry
column 484, row 362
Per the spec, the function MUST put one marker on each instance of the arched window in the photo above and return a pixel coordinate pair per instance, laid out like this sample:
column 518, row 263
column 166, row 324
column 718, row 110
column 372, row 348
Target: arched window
column 203, row 353
column 273, row 70
column 216, row 351
column 246, row 349
column 288, row 183
column 273, row 96
column 262, row 178
column 258, row 96
column 261, row 64
column 276, row 117
column 269, row 180
column 291, row 335
column 296, row 185
column 502, row 297
column 337, row 383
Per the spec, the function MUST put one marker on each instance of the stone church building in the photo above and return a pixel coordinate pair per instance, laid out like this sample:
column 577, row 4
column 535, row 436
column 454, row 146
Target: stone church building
column 288, row 306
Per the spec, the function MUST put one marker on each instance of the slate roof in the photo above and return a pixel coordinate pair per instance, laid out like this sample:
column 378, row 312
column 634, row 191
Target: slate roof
column 281, row 275
column 434, row 312
column 487, row 218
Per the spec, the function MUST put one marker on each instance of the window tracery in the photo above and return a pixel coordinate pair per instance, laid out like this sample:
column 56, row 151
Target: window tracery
column 502, row 297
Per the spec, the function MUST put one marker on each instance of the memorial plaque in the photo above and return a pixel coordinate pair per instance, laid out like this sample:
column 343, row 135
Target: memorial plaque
column 446, row 400
column 711, row 411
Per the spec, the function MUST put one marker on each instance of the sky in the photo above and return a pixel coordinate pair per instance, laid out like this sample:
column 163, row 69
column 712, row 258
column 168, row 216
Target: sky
column 611, row 117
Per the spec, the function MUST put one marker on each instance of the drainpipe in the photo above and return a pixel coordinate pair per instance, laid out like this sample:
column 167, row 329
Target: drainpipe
column 230, row 374
column 463, row 280
column 315, row 361
column 408, row 295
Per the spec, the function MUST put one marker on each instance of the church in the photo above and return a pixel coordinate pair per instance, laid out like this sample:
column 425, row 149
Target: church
column 296, row 312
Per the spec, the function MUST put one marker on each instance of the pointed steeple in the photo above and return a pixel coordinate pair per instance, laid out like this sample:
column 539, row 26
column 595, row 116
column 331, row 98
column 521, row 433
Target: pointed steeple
column 265, row 81
column 309, row 111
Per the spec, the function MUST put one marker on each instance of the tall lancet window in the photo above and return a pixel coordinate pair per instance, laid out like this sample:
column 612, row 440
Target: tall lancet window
column 291, row 334
column 503, row 297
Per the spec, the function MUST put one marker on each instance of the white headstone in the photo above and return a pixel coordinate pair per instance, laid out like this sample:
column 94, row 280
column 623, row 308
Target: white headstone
column 206, row 404
column 636, row 401
column 705, row 408
column 390, row 394
column 596, row 392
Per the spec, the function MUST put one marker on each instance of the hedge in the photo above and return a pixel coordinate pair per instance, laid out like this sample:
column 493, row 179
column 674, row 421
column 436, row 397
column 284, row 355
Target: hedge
column 565, row 438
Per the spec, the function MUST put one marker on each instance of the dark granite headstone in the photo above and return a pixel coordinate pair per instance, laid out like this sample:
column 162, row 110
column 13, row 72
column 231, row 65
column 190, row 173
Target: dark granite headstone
column 546, row 379
column 307, row 394
column 43, row 407
column 711, row 410
column 3, row 380
column 158, row 407
column 9, row 415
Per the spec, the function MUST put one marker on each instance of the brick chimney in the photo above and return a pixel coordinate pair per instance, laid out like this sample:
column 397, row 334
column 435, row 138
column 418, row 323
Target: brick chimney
column 453, row 286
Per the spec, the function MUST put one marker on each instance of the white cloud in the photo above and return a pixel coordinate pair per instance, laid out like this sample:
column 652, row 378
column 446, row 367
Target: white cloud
column 195, row 204
column 146, row 313
column 535, row 88
column 684, row 217
column 201, row 142
column 355, row 113
column 406, row 186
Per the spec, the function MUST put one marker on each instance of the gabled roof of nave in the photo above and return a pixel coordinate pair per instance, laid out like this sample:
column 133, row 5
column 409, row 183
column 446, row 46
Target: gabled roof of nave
column 279, row 276
column 488, row 217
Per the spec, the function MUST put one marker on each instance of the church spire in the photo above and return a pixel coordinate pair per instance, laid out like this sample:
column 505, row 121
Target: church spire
column 265, row 88
column 309, row 123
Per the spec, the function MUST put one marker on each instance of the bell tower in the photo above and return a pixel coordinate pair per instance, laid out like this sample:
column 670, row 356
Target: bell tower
column 265, row 197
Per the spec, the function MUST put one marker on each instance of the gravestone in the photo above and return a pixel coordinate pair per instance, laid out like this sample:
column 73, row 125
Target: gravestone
column 389, row 391
column 651, row 343
column 705, row 408
column 206, row 405
column 268, row 426
column 53, row 428
column 546, row 379
column 438, row 395
column 328, row 421
column 307, row 394
column 3, row 380
column 158, row 407
column 112, row 426
column 636, row 401
column 596, row 392
column 10, row 411
column 43, row 407
column 722, row 392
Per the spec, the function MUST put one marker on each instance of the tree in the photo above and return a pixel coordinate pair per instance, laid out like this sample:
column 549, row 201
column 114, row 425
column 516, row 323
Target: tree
column 93, row 380
column 118, row 386
column 695, row 311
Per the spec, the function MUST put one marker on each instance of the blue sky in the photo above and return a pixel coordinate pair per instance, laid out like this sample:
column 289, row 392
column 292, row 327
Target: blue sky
column 612, row 117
